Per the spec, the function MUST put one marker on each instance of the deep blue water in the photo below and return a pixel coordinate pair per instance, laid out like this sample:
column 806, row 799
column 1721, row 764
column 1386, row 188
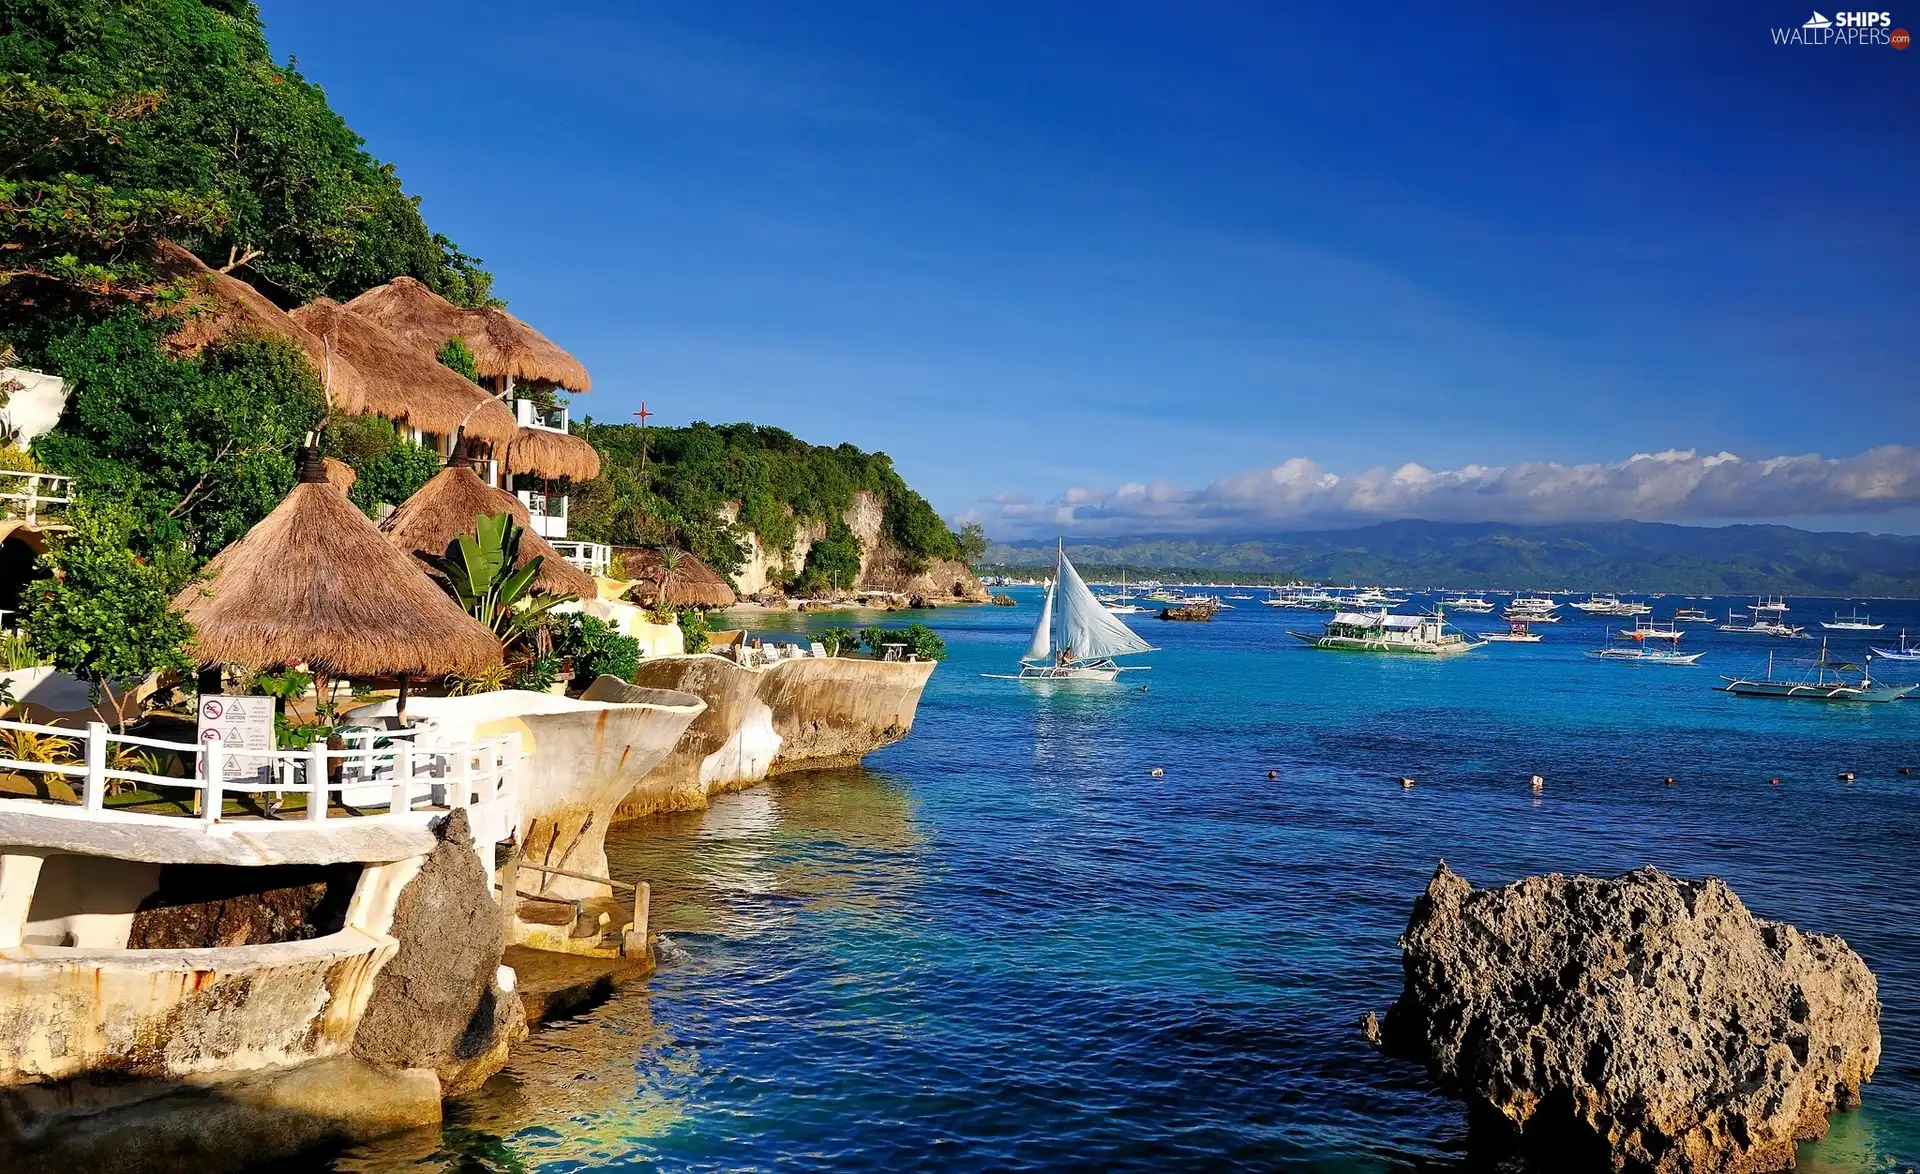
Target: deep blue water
column 1004, row 945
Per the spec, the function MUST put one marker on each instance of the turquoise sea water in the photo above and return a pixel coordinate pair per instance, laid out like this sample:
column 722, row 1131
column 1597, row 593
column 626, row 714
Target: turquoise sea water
column 1004, row 945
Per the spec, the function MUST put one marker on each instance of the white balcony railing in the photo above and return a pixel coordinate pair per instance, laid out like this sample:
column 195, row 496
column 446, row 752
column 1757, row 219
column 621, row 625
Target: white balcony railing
column 595, row 558
column 532, row 415
column 412, row 774
column 34, row 497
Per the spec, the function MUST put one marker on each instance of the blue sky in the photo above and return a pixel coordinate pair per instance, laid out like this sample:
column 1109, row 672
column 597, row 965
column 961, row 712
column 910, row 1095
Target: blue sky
column 1056, row 260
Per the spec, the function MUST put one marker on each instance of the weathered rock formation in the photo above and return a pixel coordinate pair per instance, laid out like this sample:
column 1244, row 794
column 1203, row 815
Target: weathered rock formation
column 437, row 1003
column 882, row 565
column 1638, row 1023
column 805, row 714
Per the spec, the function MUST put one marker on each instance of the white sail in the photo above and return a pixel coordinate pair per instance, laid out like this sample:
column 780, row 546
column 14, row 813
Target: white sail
column 1091, row 631
column 1041, row 646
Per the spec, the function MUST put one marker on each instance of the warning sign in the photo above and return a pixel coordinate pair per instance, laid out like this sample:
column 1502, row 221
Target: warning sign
column 241, row 725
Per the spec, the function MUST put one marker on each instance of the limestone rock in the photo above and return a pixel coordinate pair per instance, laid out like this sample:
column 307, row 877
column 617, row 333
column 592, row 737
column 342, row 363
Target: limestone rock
column 437, row 1004
column 1638, row 1023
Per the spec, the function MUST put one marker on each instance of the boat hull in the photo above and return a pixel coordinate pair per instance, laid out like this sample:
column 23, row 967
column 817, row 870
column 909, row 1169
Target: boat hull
column 1355, row 644
column 1797, row 692
column 1095, row 673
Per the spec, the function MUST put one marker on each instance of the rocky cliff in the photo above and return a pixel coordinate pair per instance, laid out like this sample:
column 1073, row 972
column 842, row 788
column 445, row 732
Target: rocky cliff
column 883, row 566
column 1638, row 1023
column 794, row 715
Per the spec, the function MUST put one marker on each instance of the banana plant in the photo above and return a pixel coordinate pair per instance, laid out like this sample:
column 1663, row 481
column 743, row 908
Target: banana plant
column 481, row 575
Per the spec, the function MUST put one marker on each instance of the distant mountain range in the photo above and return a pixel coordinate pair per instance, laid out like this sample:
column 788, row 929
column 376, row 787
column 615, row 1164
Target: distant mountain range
column 1601, row 556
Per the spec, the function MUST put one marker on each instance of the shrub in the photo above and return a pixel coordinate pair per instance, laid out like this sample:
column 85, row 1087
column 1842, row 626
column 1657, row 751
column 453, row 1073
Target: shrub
column 838, row 640
column 693, row 628
column 921, row 641
column 596, row 647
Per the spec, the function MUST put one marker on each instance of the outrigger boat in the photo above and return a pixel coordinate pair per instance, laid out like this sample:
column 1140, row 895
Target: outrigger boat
column 1516, row 633
column 1642, row 655
column 1759, row 627
column 1468, row 603
column 1852, row 622
column 1082, row 645
column 1904, row 652
column 1644, row 631
column 1381, row 631
column 1827, row 682
column 1691, row 615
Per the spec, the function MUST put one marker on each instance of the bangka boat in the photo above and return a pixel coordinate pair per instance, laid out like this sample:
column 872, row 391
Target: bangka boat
column 1641, row 655
column 1082, row 645
column 1904, row 652
column 1756, row 626
column 1382, row 631
column 1516, row 633
column 1467, row 603
column 1851, row 622
column 1773, row 603
column 1691, row 615
column 1827, row 680
column 1644, row 631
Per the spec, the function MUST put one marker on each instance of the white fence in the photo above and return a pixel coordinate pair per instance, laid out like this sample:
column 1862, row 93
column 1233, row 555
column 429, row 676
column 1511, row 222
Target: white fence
column 594, row 558
column 398, row 771
column 32, row 497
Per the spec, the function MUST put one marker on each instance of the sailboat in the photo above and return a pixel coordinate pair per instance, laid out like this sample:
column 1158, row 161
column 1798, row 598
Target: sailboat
column 1076, row 637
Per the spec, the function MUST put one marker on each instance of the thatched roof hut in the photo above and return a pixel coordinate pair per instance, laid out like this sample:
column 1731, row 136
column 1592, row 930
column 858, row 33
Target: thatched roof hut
column 447, row 507
column 218, row 304
column 555, row 455
column 402, row 385
column 315, row 583
column 691, row 583
column 502, row 345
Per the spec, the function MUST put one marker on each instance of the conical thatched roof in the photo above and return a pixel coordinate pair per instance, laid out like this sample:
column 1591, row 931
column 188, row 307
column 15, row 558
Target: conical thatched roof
column 219, row 305
column 447, row 507
column 314, row 582
column 559, row 455
column 501, row 343
column 691, row 584
column 403, row 386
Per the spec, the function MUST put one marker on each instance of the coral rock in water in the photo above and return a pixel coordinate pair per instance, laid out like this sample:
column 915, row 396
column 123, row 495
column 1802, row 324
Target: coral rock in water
column 1638, row 1023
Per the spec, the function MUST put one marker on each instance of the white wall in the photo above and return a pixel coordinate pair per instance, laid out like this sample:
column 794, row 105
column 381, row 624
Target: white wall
column 35, row 408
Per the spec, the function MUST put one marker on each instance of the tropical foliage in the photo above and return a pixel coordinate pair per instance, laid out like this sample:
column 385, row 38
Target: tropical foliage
column 481, row 575
column 596, row 647
column 390, row 467
column 102, row 613
column 920, row 641
column 122, row 121
column 694, row 474
column 201, row 447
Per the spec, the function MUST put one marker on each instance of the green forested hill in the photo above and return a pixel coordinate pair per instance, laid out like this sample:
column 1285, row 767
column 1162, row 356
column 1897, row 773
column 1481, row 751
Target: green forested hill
column 780, row 481
column 1602, row 556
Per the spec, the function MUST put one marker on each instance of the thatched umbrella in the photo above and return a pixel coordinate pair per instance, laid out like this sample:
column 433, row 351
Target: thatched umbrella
column 217, row 305
column 551, row 455
column 503, row 346
column 446, row 507
column 403, row 385
column 315, row 583
column 688, row 583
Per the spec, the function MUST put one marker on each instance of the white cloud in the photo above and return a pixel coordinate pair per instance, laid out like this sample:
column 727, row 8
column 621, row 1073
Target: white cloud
column 1674, row 485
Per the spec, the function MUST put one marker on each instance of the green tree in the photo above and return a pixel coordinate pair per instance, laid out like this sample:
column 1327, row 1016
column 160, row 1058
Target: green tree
column 390, row 468
column 972, row 543
column 103, row 612
column 125, row 120
column 832, row 563
column 202, row 446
